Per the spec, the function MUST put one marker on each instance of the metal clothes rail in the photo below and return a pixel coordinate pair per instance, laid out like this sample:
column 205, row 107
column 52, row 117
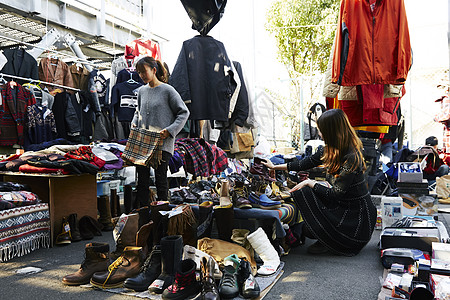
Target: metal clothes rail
column 83, row 61
column 39, row 81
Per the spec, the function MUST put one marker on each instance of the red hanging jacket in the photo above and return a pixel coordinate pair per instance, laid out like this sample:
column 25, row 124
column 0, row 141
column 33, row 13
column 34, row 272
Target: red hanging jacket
column 371, row 46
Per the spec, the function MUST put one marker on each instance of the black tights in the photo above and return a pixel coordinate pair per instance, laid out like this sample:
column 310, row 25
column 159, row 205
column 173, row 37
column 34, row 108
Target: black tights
column 143, row 181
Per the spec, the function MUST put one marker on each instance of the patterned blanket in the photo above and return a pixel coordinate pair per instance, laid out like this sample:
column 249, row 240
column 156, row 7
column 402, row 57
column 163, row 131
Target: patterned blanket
column 24, row 229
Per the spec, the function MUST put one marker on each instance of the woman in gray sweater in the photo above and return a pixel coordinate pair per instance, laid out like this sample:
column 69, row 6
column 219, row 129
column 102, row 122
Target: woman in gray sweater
column 160, row 108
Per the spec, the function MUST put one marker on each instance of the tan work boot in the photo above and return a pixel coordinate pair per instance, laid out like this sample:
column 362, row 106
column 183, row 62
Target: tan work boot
column 127, row 265
column 96, row 259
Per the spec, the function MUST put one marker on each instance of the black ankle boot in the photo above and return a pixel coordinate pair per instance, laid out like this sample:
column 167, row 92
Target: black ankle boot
column 185, row 285
column 171, row 253
column 209, row 288
column 149, row 272
column 247, row 282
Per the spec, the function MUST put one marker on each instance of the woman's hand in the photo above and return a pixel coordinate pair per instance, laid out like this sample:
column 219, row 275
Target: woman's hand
column 307, row 182
column 267, row 163
column 164, row 134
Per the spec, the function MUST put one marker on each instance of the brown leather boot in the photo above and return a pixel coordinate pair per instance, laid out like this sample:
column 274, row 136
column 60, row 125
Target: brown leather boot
column 143, row 236
column 127, row 237
column 104, row 211
column 96, row 259
column 126, row 266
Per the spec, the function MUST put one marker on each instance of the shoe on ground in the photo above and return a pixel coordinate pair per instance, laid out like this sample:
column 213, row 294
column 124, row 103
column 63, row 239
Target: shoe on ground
column 64, row 238
column 229, row 287
column 96, row 259
column 185, row 285
column 247, row 282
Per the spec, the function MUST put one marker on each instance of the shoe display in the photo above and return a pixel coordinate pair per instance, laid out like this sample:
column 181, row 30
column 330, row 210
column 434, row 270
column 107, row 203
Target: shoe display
column 85, row 229
column 127, row 237
column 224, row 216
column 75, row 235
column 104, row 210
column 96, row 259
column 205, row 219
column 143, row 238
column 156, row 217
column 263, row 201
column 196, row 255
column 171, row 253
column 224, row 193
column 260, row 242
column 209, row 287
column 185, row 284
column 240, row 195
column 92, row 225
column 127, row 265
column 228, row 287
column 249, row 288
column 64, row 237
column 317, row 248
column 148, row 273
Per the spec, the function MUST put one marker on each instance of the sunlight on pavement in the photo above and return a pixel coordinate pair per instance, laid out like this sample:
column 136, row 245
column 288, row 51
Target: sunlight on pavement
column 296, row 277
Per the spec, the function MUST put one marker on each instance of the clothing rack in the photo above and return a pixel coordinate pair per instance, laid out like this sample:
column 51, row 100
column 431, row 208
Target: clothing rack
column 84, row 61
column 39, row 81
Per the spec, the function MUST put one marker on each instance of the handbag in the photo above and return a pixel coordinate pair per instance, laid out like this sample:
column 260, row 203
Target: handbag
column 443, row 186
column 144, row 148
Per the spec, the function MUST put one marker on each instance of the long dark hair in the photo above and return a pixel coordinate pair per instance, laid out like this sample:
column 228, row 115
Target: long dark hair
column 161, row 72
column 340, row 138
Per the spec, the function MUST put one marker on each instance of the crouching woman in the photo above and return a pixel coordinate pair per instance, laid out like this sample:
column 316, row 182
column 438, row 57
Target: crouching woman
column 338, row 213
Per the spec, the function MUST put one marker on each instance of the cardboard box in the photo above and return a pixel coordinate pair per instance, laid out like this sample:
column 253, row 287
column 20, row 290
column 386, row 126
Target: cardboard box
column 409, row 177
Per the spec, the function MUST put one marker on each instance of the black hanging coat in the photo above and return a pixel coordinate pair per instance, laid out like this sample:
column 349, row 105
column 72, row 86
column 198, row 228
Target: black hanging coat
column 202, row 76
column 20, row 63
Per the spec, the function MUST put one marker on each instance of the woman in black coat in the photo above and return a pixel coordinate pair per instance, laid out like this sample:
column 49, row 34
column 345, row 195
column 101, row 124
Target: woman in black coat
column 339, row 213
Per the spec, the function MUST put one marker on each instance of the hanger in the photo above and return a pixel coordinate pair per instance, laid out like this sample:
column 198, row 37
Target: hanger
column 36, row 84
column 52, row 56
column 3, row 80
column 131, row 80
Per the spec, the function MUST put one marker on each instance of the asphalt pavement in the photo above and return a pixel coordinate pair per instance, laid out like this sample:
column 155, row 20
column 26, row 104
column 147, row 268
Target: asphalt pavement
column 306, row 276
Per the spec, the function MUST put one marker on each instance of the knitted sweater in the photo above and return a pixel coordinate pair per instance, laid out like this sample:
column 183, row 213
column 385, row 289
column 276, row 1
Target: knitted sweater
column 160, row 108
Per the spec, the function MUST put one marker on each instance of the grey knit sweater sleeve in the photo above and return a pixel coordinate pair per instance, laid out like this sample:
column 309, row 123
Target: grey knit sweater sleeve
column 160, row 108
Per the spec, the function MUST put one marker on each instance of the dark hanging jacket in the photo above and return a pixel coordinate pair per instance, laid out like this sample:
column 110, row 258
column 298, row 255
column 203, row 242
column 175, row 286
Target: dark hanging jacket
column 240, row 112
column 20, row 63
column 12, row 114
column 202, row 76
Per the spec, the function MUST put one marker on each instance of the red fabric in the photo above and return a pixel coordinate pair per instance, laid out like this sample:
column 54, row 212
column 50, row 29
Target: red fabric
column 371, row 108
column 379, row 46
column 12, row 157
column 12, row 114
column 433, row 164
column 142, row 47
column 85, row 153
column 26, row 168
